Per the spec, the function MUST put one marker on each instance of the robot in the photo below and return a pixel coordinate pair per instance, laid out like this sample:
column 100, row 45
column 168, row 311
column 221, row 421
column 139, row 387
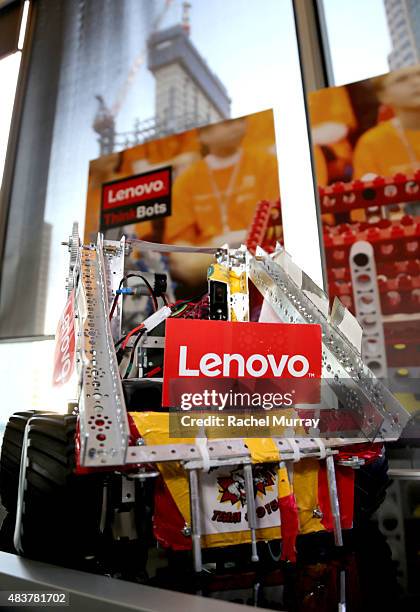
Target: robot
column 100, row 487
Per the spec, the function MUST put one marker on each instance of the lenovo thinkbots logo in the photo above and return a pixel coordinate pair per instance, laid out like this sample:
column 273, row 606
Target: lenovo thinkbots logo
column 236, row 365
column 124, row 196
column 135, row 199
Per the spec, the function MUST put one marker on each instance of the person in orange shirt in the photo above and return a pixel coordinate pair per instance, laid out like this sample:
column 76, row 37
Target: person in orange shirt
column 214, row 200
column 394, row 145
column 332, row 122
column 321, row 168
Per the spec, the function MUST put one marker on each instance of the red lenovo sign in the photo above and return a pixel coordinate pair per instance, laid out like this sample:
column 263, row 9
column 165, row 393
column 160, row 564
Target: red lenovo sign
column 138, row 198
column 205, row 355
column 136, row 189
column 64, row 356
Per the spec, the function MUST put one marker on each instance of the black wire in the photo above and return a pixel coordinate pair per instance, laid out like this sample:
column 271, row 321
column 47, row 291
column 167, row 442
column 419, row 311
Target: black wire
column 148, row 285
column 133, row 351
column 124, row 279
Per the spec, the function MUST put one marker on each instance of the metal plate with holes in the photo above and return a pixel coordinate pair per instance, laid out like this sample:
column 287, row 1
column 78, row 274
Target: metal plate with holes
column 114, row 252
column 368, row 307
column 376, row 410
column 157, row 342
column 227, row 452
column 74, row 259
column 103, row 417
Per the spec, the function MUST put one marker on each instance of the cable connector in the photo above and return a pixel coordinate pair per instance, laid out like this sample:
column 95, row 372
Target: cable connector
column 124, row 291
column 156, row 318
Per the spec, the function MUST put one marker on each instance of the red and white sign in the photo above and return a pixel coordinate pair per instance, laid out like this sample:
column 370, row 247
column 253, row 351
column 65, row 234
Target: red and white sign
column 64, row 356
column 148, row 186
column 201, row 352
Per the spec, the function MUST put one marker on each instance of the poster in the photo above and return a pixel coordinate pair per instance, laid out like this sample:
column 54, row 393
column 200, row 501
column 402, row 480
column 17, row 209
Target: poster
column 366, row 139
column 200, row 188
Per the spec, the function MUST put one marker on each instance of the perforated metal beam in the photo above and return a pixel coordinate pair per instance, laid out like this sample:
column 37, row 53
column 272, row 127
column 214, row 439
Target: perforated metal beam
column 103, row 417
column 350, row 380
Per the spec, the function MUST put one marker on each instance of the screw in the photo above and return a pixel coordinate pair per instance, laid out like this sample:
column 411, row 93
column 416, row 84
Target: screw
column 140, row 442
column 186, row 530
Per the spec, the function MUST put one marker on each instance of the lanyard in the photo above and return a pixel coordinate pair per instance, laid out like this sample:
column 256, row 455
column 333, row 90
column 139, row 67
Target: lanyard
column 223, row 198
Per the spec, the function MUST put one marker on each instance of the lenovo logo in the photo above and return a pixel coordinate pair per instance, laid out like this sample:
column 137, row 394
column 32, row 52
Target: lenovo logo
column 65, row 345
column 236, row 365
column 150, row 186
column 135, row 192
column 215, row 360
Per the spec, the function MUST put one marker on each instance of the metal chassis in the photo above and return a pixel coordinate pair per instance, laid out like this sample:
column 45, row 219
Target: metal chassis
column 96, row 271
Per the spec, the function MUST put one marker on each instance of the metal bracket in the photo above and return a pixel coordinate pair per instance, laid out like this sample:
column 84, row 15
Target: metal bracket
column 102, row 412
column 353, row 462
column 114, row 252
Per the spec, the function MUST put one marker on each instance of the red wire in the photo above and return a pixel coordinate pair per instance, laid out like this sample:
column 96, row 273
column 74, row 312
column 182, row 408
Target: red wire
column 114, row 303
column 128, row 336
column 154, row 371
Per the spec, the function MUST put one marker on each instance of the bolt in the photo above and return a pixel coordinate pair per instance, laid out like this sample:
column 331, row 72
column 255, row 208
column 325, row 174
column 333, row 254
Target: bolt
column 92, row 452
column 186, row 530
column 316, row 513
column 140, row 442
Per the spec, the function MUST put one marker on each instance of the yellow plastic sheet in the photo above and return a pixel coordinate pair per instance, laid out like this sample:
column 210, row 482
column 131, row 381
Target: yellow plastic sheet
column 154, row 427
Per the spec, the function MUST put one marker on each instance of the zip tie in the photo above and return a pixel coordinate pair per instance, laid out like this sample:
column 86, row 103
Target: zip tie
column 295, row 449
column 201, row 442
column 322, row 449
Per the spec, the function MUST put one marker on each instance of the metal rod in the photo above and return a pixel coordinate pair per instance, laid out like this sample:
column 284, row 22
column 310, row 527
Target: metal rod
column 335, row 506
column 255, row 594
column 195, row 520
column 251, row 509
column 342, row 602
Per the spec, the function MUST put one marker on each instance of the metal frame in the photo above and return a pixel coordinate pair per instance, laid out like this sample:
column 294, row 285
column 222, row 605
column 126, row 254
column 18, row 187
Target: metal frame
column 104, row 429
column 312, row 37
column 316, row 73
column 103, row 419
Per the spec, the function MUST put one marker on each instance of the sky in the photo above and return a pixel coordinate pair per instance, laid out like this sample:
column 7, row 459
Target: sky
column 358, row 38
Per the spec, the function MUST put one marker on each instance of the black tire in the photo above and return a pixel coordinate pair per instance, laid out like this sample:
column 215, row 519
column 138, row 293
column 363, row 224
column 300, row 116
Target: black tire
column 10, row 458
column 61, row 513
